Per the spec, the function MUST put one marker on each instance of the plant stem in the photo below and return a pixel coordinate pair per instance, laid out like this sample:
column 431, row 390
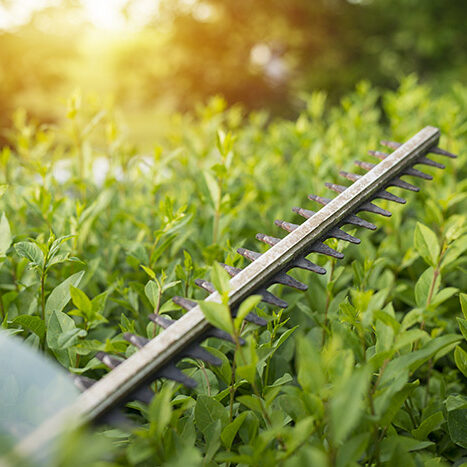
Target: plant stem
column 43, row 295
column 328, row 302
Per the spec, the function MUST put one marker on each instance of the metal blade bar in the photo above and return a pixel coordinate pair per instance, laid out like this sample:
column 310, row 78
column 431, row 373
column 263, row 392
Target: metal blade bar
column 138, row 368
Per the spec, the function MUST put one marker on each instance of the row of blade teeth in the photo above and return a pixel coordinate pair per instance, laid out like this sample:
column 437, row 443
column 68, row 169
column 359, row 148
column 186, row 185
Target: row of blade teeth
column 194, row 350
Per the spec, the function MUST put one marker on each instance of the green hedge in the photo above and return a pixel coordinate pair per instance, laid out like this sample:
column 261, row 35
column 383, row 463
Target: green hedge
column 367, row 367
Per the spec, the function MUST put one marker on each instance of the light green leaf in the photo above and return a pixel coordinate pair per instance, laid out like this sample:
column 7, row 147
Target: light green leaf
column 60, row 296
column 80, row 300
column 347, row 406
column 5, row 235
column 149, row 272
column 463, row 326
column 30, row 251
column 443, row 295
column 424, row 286
column 427, row 244
column 245, row 308
column 460, row 357
column 213, row 188
column 463, row 300
column 152, row 291
column 160, row 412
column 217, row 314
column 220, row 278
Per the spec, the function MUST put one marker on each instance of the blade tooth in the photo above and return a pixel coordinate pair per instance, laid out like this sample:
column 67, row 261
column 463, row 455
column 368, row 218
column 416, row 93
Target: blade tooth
column 143, row 394
column 83, row 382
column 253, row 317
column 212, row 332
column 425, row 161
column 434, row 150
column 303, row 263
column 378, row 154
column 365, row 165
column 289, row 281
column 108, row 360
column 370, row 207
column 170, row 371
column 209, row 286
column 390, row 197
column 336, row 188
column 267, row 239
column 135, row 340
column 198, row 353
column 206, row 285
column 417, row 173
column 322, row 248
column 184, row 302
column 288, row 226
column 442, row 152
column 306, row 213
column 350, row 176
column 231, row 270
column 390, row 144
column 248, row 254
column 403, row 184
column 268, row 297
column 341, row 235
column 359, row 222
column 114, row 417
column 319, row 199
column 161, row 321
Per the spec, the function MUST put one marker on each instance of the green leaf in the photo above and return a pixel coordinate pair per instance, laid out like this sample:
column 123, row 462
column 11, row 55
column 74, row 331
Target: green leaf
column 149, row 272
column 460, row 357
column 347, row 407
column 229, row 432
column 59, row 324
column 152, row 291
column 160, row 412
column 220, row 279
column 423, row 287
column 80, row 300
column 5, row 235
column 217, row 314
column 462, row 326
column 70, row 338
column 31, row 323
column 245, row 308
column 60, row 296
column 31, row 252
column 456, row 406
column 214, row 189
column 427, row 244
column 463, row 300
column 251, row 401
column 207, row 411
column 432, row 423
column 413, row 360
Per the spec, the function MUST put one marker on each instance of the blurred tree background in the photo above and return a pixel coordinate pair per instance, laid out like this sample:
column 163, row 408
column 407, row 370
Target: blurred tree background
column 150, row 57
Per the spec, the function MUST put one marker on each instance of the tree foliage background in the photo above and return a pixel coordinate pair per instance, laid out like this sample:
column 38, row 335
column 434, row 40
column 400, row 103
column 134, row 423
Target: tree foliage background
column 261, row 53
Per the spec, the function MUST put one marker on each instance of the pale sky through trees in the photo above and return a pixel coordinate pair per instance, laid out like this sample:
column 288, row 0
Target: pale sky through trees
column 103, row 14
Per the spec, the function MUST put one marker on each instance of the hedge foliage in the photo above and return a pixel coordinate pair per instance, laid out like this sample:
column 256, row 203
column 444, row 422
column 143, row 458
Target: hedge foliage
column 367, row 367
